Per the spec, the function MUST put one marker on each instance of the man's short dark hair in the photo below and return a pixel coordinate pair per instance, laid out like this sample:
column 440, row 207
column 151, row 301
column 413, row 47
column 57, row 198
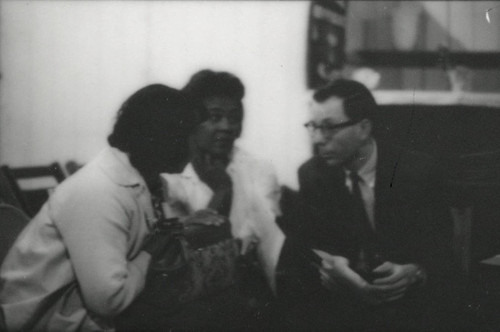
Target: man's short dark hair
column 208, row 83
column 358, row 101
column 152, row 120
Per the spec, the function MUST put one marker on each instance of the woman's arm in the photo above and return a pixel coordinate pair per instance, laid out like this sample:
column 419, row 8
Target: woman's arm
column 96, row 226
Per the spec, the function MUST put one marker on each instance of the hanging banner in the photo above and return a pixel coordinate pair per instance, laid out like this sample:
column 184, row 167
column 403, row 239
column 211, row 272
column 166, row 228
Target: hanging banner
column 326, row 41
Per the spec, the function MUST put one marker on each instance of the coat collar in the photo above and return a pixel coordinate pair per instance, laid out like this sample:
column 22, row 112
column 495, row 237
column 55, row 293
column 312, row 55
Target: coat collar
column 368, row 171
column 116, row 165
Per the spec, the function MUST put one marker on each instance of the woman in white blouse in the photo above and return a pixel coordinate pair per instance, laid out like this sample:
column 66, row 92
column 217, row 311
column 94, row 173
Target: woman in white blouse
column 224, row 177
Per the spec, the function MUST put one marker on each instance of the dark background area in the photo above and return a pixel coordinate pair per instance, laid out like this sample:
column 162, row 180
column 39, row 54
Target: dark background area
column 466, row 139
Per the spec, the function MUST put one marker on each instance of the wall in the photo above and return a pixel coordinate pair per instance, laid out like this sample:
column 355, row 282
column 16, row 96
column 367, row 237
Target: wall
column 67, row 66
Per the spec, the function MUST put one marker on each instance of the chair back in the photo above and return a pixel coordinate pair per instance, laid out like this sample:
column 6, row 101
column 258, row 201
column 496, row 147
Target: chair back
column 72, row 166
column 7, row 193
column 33, row 184
column 474, row 187
column 12, row 222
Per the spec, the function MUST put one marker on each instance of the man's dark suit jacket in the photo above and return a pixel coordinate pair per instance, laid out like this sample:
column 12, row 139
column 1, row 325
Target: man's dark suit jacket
column 413, row 224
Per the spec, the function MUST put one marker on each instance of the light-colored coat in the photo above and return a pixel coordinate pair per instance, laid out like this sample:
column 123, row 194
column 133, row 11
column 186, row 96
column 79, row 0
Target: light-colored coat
column 79, row 262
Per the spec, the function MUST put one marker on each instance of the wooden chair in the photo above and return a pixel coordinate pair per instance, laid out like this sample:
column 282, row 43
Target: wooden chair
column 72, row 167
column 32, row 185
column 475, row 186
column 12, row 222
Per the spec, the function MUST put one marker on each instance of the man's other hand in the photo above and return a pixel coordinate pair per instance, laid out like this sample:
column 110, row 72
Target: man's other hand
column 402, row 275
column 337, row 276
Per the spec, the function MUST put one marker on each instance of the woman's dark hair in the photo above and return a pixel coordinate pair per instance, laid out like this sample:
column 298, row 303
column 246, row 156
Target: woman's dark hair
column 208, row 83
column 358, row 101
column 152, row 122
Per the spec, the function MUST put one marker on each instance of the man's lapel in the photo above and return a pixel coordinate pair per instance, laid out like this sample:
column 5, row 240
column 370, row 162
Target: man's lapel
column 387, row 169
column 332, row 182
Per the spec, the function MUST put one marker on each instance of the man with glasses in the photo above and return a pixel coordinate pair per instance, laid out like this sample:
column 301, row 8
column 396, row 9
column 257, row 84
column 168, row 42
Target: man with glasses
column 368, row 237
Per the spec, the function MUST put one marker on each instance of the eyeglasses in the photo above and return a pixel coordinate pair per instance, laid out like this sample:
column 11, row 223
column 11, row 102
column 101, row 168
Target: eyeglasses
column 327, row 129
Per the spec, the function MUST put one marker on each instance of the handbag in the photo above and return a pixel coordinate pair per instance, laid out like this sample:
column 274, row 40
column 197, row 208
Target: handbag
column 200, row 261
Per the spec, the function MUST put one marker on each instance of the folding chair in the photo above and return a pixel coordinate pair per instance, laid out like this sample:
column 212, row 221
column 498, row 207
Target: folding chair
column 32, row 185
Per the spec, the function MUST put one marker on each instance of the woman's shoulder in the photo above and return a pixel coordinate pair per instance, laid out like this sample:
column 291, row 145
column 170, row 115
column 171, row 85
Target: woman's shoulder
column 89, row 186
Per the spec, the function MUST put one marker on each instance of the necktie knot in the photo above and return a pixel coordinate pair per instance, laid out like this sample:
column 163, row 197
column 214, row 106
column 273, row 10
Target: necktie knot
column 355, row 182
column 355, row 178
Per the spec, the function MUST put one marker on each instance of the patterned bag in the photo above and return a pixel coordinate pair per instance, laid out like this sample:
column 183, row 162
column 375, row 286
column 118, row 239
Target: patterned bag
column 200, row 261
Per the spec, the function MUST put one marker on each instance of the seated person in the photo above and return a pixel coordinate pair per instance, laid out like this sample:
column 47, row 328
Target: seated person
column 368, row 244
column 221, row 176
column 84, row 257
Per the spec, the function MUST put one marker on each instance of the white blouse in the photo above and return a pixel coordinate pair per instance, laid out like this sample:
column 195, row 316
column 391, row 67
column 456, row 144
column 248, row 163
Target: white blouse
column 254, row 208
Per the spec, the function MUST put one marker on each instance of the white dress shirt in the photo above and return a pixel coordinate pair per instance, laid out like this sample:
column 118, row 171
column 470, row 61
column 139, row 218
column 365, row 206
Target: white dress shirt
column 367, row 174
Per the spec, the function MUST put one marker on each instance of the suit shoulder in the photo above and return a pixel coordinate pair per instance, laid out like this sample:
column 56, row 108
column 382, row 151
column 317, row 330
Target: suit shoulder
column 402, row 165
column 307, row 165
column 418, row 161
column 412, row 159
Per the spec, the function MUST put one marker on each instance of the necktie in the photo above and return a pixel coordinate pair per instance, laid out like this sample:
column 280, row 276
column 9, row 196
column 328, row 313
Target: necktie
column 359, row 205
column 367, row 258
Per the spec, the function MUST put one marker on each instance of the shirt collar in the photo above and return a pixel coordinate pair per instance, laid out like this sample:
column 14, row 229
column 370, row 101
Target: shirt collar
column 116, row 165
column 368, row 171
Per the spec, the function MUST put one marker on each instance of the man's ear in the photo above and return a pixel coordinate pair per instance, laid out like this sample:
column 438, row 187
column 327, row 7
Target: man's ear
column 365, row 126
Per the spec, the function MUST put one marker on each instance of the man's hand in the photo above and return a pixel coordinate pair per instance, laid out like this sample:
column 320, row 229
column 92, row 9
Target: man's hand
column 398, row 276
column 207, row 217
column 338, row 277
